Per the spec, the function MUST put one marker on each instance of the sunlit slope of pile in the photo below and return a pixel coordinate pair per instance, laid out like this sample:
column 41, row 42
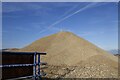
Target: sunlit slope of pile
column 65, row 48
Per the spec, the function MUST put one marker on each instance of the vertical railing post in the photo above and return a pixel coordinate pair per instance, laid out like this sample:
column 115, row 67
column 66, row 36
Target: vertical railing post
column 34, row 67
column 39, row 66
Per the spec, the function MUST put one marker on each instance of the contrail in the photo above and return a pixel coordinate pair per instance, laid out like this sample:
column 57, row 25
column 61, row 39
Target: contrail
column 78, row 11
column 70, row 10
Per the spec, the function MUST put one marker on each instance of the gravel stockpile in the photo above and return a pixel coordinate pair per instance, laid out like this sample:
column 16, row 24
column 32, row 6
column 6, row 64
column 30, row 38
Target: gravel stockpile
column 70, row 56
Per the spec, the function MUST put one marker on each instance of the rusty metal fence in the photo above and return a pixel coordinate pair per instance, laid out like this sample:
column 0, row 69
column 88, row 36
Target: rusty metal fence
column 18, row 65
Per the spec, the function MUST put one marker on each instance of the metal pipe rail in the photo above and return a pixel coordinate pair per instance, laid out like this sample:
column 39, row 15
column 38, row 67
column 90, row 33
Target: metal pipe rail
column 36, row 63
column 16, row 65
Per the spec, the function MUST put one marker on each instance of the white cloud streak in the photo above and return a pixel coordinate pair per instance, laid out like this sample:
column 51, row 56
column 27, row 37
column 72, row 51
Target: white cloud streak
column 70, row 15
column 8, row 7
column 70, row 10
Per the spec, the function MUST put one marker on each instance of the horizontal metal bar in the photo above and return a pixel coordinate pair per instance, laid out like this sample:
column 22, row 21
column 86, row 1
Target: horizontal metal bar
column 17, row 65
column 27, row 53
column 21, row 77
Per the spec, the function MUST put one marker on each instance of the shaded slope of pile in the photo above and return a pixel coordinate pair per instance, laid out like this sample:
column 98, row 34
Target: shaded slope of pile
column 65, row 48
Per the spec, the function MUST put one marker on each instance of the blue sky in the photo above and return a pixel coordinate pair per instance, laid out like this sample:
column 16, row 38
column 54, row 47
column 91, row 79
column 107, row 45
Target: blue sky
column 24, row 23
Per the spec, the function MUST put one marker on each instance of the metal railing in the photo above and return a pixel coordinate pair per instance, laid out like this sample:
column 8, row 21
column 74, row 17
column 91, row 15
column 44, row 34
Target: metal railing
column 36, row 63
